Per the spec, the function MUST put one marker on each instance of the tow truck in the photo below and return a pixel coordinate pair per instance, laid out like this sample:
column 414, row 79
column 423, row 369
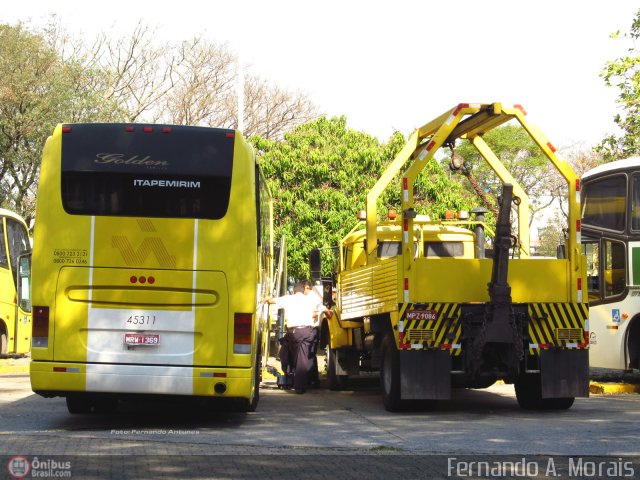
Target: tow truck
column 424, row 302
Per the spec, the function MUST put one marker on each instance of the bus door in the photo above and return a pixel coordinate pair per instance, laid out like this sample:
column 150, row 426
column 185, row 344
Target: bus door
column 607, row 277
column 16, row 311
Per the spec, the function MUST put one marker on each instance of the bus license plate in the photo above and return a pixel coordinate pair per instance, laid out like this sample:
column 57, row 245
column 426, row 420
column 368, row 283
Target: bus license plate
column 141, row 339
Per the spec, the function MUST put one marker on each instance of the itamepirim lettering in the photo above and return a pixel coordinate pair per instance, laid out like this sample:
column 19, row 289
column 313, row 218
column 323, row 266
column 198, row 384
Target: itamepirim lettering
column 166, row 183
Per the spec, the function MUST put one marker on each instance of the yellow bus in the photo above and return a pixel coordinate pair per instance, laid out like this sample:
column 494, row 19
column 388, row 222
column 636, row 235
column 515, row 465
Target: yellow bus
column 153, row 245
column 15, row 305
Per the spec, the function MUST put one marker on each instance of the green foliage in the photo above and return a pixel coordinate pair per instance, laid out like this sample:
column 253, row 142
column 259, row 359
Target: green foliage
column 550, row 236
column 522, row 157
column 39, row 89
column 319, row 177
column 624, row 73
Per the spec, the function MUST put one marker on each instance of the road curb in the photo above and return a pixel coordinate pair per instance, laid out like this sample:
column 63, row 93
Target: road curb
column 14, row 369
column 602, row 388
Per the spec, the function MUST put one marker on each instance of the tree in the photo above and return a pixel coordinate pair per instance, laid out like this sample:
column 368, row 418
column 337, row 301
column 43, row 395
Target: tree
column 523, row 159
column 624, row 73
column 270, row 111
column 38, row 91
column 552, row 235
column 204, row 79
column 319, row 176
column 193, row 82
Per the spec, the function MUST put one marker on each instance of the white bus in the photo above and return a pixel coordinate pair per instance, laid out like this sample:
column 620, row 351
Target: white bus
column 611, row 241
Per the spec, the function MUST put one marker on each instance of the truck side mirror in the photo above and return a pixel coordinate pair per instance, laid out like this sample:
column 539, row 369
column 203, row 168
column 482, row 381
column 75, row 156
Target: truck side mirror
column 315, row 264
column 561, row 251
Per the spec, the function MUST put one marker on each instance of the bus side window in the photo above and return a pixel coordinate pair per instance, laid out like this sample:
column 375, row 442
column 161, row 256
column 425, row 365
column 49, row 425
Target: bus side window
column 592, row 251
column 18, row 242
column 615, row 271
column 4, row 262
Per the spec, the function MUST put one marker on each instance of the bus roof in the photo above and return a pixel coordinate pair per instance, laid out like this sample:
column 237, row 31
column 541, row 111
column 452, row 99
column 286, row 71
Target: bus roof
column 613, row 166
column 8, row 213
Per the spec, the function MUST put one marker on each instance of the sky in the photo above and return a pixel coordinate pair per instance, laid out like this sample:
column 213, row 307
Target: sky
column 397, row 64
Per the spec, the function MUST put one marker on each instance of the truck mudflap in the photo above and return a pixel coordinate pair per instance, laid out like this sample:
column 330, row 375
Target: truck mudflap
column 425, row 375
column 564, row 373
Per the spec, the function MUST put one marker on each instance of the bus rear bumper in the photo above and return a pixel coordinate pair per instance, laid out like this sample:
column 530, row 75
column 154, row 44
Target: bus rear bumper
column 51, row 379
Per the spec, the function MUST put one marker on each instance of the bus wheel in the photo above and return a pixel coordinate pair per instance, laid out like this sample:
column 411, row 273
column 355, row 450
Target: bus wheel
column 106, row 405
column 336, row 382
column 4, row 344
column 79, row 404
column 390, row 375
column 250, row 405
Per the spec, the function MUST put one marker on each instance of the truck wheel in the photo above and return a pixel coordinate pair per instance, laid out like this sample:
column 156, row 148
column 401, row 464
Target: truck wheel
column 557, row 403
column 529, row 395
column 390, row 375
column 529, row 391
column 336, row 382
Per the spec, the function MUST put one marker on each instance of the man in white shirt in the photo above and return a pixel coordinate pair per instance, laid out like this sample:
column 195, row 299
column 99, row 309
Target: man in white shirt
column 302, row 313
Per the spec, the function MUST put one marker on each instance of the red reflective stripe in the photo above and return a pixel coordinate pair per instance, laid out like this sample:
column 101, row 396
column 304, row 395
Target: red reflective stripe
column 460, row 107
column 578, row 225
column 406, row 284
column 551, row 147
column 521, row 108
column 577, row 184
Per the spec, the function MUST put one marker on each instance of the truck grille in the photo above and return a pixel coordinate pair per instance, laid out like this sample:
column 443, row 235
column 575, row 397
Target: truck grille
column 569, row 334
column 418, row 336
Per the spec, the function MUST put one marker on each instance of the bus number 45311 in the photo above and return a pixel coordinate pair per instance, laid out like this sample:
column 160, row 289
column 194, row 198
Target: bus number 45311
column 141, row 320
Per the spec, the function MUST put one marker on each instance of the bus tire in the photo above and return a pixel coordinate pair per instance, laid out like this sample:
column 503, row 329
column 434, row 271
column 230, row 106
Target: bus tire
column 79, row 404
column 251, row 404
column 106, row 405
column 336, row 382
column 4, row 344
column 390, row 375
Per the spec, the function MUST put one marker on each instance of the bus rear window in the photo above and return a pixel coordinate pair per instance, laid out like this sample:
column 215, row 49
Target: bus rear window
column 159, row 171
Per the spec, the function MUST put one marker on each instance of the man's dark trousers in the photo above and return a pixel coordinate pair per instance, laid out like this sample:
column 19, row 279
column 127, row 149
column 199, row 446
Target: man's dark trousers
column 303, row 339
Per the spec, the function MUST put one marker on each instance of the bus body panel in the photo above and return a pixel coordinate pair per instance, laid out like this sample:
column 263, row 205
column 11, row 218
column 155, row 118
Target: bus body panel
column 168, row 310
column 609, row 331
column 136, row 379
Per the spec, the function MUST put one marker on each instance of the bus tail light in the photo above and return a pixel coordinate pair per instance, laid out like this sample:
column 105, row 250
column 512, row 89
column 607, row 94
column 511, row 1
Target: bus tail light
column 242, row 332
column 40, row 333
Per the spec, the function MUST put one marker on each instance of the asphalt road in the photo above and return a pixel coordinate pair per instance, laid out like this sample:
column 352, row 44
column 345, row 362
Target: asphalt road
column 323, row 434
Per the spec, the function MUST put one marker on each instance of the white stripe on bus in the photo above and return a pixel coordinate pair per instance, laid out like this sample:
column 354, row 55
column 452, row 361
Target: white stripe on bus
column 140, row 379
